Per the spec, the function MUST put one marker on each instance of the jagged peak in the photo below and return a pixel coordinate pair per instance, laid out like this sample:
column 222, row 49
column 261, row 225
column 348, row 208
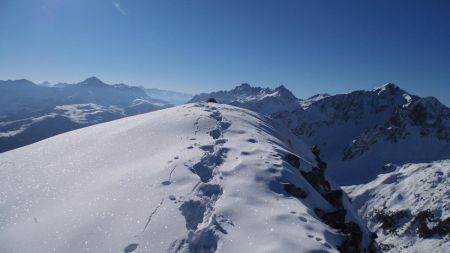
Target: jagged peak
column 243, row 86
column 281, row 87
column 283, row 91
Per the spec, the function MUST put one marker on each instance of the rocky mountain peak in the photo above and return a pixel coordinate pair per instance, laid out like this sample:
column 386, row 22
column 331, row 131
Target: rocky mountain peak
column 244, row 86
column 284, row 92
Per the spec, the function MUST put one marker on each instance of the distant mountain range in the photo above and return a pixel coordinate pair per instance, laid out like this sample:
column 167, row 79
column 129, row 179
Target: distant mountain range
column 31, row 112
column 359, row 132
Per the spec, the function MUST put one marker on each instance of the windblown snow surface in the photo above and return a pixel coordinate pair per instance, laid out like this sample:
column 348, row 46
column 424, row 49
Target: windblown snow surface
column 409, row 208
column 193, row 178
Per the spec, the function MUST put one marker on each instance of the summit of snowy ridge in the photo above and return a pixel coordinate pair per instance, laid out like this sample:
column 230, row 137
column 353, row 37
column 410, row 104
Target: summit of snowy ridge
column 200, row 177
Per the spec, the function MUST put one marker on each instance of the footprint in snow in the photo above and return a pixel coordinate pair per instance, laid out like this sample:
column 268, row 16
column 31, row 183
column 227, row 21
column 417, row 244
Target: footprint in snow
column 272, row 170
column 208, row 148
column 215, row 134
column 251, row 140
column 130, row 248
column 221, row 141
column 302, row 219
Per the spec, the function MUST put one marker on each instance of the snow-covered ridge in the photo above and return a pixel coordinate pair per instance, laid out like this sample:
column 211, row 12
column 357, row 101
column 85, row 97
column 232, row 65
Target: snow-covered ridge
column 193, row 178
column 408, row 208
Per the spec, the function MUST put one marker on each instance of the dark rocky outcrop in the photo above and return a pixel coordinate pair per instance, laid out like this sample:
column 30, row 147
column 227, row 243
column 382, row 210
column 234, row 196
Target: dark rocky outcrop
column 390, row 220
column 292, row 160
column 335, row 198
column 334, row 219
column 353, row 242
column 353, row 236
column 316, row 177
column 295, row 191
column 442, row 227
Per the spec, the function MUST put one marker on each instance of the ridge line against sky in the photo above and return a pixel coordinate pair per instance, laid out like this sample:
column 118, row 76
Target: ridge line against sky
column 201, row 46
column 218, row 90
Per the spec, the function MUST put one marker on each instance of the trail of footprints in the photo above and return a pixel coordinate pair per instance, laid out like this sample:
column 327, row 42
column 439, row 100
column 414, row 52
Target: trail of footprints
column 203, row 226
column 198, row 208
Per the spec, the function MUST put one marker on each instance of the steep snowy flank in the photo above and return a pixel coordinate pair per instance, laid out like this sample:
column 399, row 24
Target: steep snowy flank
column 409, row 208
column 360, row 131
column 193, row 178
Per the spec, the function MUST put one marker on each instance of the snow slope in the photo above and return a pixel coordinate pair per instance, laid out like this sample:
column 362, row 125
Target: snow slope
column 193, row 178
column 408, row 208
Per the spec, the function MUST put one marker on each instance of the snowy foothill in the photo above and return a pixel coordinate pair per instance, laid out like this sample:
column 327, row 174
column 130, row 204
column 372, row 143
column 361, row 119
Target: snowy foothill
column 193, row 178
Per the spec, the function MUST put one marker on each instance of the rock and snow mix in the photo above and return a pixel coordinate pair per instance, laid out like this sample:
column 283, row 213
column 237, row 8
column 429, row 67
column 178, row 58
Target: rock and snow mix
column 408, row 208
column 193, row 178
column 357, row 132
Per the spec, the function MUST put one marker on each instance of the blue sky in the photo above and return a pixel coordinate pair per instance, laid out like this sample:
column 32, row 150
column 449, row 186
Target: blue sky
column 195, row 46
